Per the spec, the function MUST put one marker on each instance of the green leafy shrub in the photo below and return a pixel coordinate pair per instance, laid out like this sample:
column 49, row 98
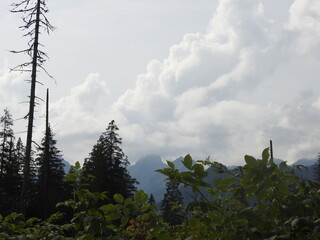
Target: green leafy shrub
column 260, row 200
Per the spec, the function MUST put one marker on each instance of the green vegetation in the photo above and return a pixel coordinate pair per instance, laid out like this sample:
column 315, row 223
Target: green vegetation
column 260, row 200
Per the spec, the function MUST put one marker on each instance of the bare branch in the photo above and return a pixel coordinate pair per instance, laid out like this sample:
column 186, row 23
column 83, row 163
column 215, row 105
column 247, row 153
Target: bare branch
column 39, row 98
column 40, row 83
column 46, row 72
column 21, row 51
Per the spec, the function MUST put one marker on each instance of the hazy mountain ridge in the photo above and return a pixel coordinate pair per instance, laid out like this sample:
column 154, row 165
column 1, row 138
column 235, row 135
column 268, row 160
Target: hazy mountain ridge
column 154, row 182
column 149, row 180
column 67, row 166
column 305, row 161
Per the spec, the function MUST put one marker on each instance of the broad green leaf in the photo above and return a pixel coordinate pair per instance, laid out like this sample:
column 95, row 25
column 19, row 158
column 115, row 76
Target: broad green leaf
column 294, row 222
column 198, row 169
column 113, row 216
column 118, row 198
column 108, row 208
column 141, row 197
column 145, row 207
column 124, row 220
column 265, row 154
column 171, row 165
column 162, row 171
column 251, row 161
column 187, row 176
column 187, row 161
column 128, row 201
column 68, row 227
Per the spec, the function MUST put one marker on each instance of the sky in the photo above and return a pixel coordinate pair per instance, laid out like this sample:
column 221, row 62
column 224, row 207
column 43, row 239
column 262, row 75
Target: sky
column 206, row 78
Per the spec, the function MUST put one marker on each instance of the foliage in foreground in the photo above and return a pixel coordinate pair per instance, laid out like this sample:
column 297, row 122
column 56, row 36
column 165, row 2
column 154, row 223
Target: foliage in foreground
column 258, row 201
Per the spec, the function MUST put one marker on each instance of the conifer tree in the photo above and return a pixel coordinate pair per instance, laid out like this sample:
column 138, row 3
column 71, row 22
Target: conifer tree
column 108, row 164
column 10, row 166
column 151, row 199
column 6, row 148
column 172, row 205
column 19, row 155
column 51, row 188
column 12, row 181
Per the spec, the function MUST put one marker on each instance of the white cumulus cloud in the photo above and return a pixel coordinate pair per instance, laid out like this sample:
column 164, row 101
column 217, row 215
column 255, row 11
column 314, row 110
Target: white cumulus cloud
column 227, row 91
column 81, row 116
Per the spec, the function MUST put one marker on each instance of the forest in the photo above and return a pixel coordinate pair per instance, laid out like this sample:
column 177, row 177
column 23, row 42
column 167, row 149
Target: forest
column 99, row 200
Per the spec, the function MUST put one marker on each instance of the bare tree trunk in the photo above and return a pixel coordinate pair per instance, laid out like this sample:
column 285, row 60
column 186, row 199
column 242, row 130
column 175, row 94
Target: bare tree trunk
column 26, row 171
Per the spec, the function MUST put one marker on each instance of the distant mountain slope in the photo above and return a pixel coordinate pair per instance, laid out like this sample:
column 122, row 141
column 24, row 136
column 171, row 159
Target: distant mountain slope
column 67, row 166
column 149, row 180
column 154, row 182
column 306, row 161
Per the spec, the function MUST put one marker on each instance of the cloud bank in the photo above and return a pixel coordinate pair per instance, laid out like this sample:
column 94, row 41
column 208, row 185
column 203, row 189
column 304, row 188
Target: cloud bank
column 251, row 77
column 226, row 92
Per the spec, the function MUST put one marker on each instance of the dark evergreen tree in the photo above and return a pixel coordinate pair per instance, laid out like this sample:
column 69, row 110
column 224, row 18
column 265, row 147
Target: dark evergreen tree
column 108, row 164
column 6, row 136
column 151, row 199
column 51, row 187
column 13, row 177
column 19, row 155
column 172, row 205
column 6, row 153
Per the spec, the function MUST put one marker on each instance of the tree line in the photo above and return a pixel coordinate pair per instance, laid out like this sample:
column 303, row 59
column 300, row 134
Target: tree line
column 104, row 170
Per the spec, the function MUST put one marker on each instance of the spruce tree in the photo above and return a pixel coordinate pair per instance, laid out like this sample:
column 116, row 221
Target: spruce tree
column 108, row 164
column 13, row 178
column 19, row 155
column 6, row 152
column 51, row 187
column 172, row 205
column 151, row 199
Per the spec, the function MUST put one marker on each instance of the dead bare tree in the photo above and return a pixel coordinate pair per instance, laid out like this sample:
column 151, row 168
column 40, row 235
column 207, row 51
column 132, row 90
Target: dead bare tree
column 34, row 22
